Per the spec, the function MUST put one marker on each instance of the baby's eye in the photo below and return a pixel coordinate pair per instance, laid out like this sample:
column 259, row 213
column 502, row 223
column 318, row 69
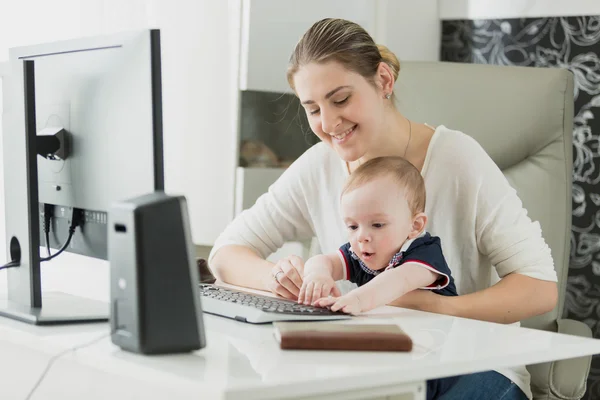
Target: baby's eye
column 352, row 227
column 378, row 225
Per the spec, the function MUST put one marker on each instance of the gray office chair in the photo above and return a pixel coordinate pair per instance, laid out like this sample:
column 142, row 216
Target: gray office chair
column 523, row 118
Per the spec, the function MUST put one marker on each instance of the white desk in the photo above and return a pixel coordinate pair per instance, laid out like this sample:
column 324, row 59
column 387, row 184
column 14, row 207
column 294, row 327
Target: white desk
column 243, row 361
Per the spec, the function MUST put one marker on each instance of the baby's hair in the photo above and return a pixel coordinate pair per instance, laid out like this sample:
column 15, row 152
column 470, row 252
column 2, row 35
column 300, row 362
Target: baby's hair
column 406, row 175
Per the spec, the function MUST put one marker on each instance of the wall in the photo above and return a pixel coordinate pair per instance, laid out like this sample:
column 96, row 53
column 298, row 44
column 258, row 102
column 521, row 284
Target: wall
column 20, row 26
column 490, row 9
column 411, row 29
column 199, row 41
column 199, row 83
column 199, row 44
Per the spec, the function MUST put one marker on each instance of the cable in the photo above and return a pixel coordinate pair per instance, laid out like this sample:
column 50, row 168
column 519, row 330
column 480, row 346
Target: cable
column 47, row 233
column 63, row 248
column 11, row 264
column 59, row 355
column 48, row 215
column 76, row 220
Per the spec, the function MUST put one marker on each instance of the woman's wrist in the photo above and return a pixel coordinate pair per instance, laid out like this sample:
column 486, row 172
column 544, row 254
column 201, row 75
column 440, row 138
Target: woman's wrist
column 437, row 303
column 447, row 305
column 425, row 300
column 266, row 278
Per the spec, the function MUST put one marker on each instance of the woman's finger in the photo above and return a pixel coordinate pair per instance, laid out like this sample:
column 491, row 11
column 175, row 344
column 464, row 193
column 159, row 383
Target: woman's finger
column 279, row 275
column 288, row 285
column 283, row 292
column 279, row 290
column 292, row 274
column 282, row 270
column 297, row 263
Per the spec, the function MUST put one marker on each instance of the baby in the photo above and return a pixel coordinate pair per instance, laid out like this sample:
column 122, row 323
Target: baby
column 389, row 253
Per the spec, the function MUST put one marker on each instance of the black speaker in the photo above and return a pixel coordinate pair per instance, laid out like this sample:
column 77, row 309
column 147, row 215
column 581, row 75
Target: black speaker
column 155, row 304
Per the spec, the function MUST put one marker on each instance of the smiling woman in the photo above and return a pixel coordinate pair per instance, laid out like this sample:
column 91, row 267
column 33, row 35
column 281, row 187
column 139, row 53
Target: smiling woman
column 345, row 83
column 334, row 82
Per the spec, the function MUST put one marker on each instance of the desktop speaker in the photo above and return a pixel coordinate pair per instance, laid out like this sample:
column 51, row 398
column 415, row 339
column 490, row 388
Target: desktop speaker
column 155, row 304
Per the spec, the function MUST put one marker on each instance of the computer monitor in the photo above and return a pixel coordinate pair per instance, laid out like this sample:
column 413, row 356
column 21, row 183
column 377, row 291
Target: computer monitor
column 83, row 129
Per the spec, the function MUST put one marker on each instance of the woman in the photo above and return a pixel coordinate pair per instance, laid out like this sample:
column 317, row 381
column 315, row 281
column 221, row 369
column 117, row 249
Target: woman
column 345, row 83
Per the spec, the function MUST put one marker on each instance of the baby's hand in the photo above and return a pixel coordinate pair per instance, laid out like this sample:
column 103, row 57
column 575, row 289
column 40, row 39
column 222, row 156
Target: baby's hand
column 316, row 285
column 349, row 303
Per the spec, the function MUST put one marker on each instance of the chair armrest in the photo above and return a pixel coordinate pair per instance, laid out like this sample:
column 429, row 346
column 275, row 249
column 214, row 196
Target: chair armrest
column 568, row 377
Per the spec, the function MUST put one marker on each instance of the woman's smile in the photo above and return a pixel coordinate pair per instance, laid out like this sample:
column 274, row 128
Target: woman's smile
column 344, row 136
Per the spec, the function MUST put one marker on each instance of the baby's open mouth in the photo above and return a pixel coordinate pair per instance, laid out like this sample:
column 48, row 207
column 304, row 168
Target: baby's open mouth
column 367, row 255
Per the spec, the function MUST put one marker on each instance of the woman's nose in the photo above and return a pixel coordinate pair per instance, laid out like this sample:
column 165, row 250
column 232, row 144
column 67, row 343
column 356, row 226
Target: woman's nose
column 330, row 120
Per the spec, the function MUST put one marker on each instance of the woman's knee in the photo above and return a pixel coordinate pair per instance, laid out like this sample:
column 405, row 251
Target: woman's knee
column 489, row 385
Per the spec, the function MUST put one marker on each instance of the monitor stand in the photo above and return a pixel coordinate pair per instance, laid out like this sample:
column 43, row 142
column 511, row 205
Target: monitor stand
column 25, row 301
column 58, row 308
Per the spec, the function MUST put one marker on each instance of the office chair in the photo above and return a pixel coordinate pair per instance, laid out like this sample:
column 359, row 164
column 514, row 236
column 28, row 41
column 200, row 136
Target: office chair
column 523, row 118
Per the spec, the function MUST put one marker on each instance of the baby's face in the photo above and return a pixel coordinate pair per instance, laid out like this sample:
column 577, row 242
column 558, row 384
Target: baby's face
column 378, row 220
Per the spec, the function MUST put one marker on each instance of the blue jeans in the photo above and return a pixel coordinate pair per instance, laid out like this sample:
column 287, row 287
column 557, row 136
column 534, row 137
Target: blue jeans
column 488, row 385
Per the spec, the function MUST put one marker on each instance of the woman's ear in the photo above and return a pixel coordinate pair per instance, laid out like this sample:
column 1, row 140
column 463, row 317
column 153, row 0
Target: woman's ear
column 385, row 78
column 418, row 225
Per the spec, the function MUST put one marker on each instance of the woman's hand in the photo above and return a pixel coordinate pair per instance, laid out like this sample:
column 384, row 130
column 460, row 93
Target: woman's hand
column 515, row 298
column 285, row 279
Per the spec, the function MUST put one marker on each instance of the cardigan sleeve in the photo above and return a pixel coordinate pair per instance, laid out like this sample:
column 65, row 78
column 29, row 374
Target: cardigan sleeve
column 504, row 232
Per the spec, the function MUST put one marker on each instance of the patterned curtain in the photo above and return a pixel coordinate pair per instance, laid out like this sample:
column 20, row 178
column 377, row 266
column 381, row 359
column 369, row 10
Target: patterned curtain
column 573, row 43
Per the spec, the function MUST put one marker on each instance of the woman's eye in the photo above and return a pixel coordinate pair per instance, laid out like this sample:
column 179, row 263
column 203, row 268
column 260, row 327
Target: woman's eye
column 342, row 101
column 313, row 112
column 378, row 225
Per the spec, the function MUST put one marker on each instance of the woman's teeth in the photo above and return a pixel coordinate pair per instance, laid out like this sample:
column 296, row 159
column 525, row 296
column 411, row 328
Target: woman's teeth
column 344, row 134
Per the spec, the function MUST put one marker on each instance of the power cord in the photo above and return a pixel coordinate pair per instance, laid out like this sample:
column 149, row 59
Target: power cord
column 59, row 355
column 76, row 220
column 11, row 264
column 48, row 215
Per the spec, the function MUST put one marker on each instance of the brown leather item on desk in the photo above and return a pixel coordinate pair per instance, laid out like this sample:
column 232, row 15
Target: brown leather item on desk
column 340, row 336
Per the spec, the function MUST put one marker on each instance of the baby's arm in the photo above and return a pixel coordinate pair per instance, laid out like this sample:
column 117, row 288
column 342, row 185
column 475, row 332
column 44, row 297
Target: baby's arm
column 320, row 274
column 383, row 289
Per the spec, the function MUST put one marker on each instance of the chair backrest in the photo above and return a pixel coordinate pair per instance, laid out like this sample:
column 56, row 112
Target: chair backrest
column 523, row 118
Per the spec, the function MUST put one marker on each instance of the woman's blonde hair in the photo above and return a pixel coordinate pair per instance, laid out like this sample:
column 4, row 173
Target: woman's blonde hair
column 343, row 41
column 404, row 174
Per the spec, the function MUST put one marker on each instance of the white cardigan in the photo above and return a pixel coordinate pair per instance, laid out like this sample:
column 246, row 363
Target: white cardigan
column 484, row 229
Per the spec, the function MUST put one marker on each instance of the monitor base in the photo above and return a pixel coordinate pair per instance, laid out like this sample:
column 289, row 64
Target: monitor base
column 57, row 308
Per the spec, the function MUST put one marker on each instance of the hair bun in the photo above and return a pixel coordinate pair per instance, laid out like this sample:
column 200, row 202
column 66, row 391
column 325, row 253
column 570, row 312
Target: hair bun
column 390, row 59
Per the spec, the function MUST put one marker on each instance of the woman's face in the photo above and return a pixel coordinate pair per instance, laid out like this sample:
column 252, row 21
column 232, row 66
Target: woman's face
column 343, row 108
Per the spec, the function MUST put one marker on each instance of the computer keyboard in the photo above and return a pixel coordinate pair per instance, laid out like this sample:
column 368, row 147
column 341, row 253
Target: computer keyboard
column 255, row 308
